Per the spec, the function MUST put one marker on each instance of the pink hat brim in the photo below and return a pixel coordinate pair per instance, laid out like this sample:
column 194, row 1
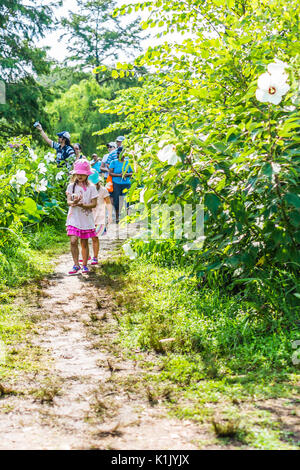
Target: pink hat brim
column 80, row 172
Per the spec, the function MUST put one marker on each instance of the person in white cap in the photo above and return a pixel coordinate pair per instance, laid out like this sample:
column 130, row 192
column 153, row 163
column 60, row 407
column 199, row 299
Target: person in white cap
column 119, row 142
column 63, row 147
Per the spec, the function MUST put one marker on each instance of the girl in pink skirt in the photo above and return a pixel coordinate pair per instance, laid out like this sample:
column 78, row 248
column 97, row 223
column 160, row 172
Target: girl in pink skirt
column 82, row 198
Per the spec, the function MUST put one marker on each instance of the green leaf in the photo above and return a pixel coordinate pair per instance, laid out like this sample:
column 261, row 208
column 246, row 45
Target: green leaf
column 29, row 207
column 212, row 202
column 293, row 199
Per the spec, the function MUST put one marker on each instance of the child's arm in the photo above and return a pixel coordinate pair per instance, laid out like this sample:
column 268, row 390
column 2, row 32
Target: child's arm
column 109, row 208
column 73, row 199
column 89, row 206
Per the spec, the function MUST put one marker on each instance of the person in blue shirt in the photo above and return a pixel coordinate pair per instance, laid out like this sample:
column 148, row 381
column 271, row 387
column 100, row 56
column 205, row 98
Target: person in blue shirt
column 121, row 173
column 95, row 162
column 113, row 155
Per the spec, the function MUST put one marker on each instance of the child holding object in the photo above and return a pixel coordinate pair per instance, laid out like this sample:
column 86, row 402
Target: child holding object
column 82, row 198
column 99, row 213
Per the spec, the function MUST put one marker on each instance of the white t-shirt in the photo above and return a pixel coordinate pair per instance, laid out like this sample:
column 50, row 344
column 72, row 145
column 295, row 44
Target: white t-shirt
column 99, row 210
column 77, row 216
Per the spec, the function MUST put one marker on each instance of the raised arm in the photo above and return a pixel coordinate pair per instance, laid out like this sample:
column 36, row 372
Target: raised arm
column 44, row 135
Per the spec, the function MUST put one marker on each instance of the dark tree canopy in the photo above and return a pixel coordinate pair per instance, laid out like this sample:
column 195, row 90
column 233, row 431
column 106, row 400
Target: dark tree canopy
column 22, row 24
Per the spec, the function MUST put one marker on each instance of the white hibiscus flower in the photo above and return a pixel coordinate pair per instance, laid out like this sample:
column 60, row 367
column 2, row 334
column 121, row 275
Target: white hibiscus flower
column 277, row 67
column 168, row 154
column 59, row 175
column 33, row 155
column 272, row 84
column 42, row 168
column 19, row 178
column 49, row 157
column 42, row 185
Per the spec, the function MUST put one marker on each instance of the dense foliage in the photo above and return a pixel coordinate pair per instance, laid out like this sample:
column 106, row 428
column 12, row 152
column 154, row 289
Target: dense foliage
column 32, row 197
column 236, row 154
column 76, row 110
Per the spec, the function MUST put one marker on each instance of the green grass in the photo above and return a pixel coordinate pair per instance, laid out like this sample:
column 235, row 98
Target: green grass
column 21, row 265
column 222, row 354
column 29, row 257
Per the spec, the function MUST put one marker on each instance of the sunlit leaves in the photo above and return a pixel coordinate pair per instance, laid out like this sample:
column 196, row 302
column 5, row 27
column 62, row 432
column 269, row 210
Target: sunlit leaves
column 238, row 156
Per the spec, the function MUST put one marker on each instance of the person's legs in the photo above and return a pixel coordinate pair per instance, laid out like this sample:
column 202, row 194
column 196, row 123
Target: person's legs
column 84, row 250
column 116, row 195
column 96, row 244
column 74, row 249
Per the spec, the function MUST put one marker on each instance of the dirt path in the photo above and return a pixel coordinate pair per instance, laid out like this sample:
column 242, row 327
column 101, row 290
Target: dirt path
column 77, row 399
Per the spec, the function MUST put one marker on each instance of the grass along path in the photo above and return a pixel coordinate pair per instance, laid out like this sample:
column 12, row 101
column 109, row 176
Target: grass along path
column 70, row 393
column 80, row 385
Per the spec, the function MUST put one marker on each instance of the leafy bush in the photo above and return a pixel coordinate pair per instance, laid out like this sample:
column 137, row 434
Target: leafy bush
column 32, row 200
column 204, row 129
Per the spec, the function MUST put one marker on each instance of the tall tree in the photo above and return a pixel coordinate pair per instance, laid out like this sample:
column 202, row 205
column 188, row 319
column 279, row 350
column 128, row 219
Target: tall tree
column 22, row 23
column 97, row 35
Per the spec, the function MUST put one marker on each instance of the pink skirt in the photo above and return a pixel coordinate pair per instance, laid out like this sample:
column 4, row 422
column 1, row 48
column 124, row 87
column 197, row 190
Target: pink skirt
column 77, row 232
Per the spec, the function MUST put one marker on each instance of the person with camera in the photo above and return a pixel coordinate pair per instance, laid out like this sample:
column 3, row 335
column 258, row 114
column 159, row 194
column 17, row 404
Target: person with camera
column 63, row 147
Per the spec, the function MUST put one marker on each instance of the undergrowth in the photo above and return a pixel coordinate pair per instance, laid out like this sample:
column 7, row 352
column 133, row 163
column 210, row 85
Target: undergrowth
column 27, row 257
column 212, row 348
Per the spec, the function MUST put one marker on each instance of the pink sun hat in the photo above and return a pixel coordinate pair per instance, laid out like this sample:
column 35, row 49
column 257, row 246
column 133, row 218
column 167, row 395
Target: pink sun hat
column 82, row 167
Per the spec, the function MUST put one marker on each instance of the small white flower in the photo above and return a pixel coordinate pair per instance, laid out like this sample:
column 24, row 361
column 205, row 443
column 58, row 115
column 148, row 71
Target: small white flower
column 42, row 168
column 272, row 84
column 49, row 157
column 168, row 154
column 32, row 155
column 129, row 251
column 42, row 185
column 59, row 175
